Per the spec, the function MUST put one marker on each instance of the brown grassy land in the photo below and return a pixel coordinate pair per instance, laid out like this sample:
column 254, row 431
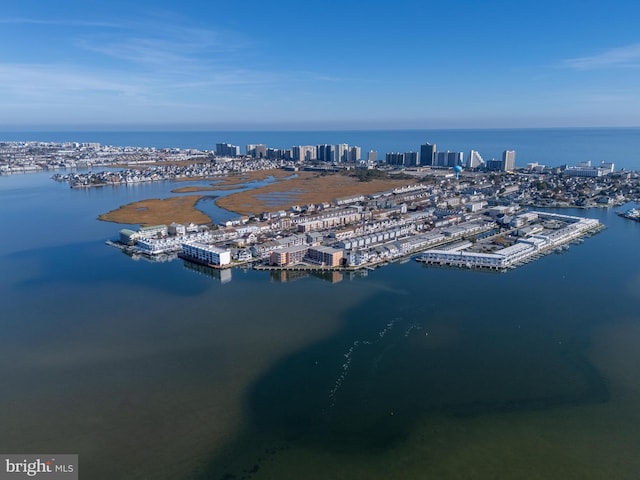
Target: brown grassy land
column 308, row 187
column 199, row 188
column 233, row 181
column 157, row 211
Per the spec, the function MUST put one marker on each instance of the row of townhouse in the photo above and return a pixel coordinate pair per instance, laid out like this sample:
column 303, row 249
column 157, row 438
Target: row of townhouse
column 156, row 246
column 377, row 237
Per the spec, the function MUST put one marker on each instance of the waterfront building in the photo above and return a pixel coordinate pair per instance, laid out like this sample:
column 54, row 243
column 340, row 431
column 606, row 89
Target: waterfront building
column 227, row 150
column 304, row 153
column 475, row 160
column 584, row 169
column 177, row 229
column 284, row 257
column 274, row 153
column 395, row 158
column 342, row 153
column 154, row 231
column 325, row 256
column 326, row 153
column 494, row 165
column 128, row 236
column 509, row 160
column 354, row 154
column 411, row 159
column 372, row 156
column 207, row 254
column 257, row 151
column 427, row 154
column 449, row 159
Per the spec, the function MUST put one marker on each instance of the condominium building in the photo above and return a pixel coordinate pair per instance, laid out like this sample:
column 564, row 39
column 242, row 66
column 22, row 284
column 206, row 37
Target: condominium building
column 325, row 256
column 342, row 152
column 227, row 150
column 207, row 254
column 326, row 153
column 509, row 160
column 449, row 159
column 411, row 159
column 355, row 153
column 257, row 151
column 288, row 256
column 427, row 154
column 395, row 158
column 304, row 153
column 475, row 160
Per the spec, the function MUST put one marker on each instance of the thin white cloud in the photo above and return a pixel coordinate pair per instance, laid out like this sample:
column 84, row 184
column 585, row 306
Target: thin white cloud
column 57, row 23
column 620, row 57
column 35, row 79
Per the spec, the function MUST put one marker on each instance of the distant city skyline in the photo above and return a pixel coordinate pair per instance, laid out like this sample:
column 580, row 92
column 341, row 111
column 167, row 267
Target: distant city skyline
column 318, row 65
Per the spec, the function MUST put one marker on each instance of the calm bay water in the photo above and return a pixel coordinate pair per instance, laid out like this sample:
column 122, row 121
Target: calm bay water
column 156, row 370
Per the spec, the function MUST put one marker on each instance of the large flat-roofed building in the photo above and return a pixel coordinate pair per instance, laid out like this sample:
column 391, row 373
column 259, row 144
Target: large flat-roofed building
column 584, row 169
column 207, row 253
column 128, row 236
column 288, row 256
column 326, row 256
column 154, row 231
column 227, row 150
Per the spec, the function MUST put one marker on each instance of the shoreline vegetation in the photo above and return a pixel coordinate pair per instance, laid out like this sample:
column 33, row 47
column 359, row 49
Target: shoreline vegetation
column 156, row 211
column 288, row 189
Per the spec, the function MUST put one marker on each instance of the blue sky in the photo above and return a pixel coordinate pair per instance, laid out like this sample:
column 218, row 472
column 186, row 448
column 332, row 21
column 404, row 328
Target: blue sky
column 313, row 64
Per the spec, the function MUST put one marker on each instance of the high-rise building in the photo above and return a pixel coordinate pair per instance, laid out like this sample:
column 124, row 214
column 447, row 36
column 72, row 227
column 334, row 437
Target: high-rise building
column 427, row 154
column 227, row 150
column 395, row 158
column 342, row 152
column 455, row 158
column 257, row 151
column 354, row 154
column 261, row 151
column 494, row 165
column 325, row 153
column 475, row 160
column 449, row 159
column 304, row 153
column 274, row 153
column 411, row 159
column 372, row 156
column 509, row 160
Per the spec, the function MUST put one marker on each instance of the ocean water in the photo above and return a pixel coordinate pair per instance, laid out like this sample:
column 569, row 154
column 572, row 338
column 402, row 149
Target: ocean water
column 165, row 371
column 551, row 147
